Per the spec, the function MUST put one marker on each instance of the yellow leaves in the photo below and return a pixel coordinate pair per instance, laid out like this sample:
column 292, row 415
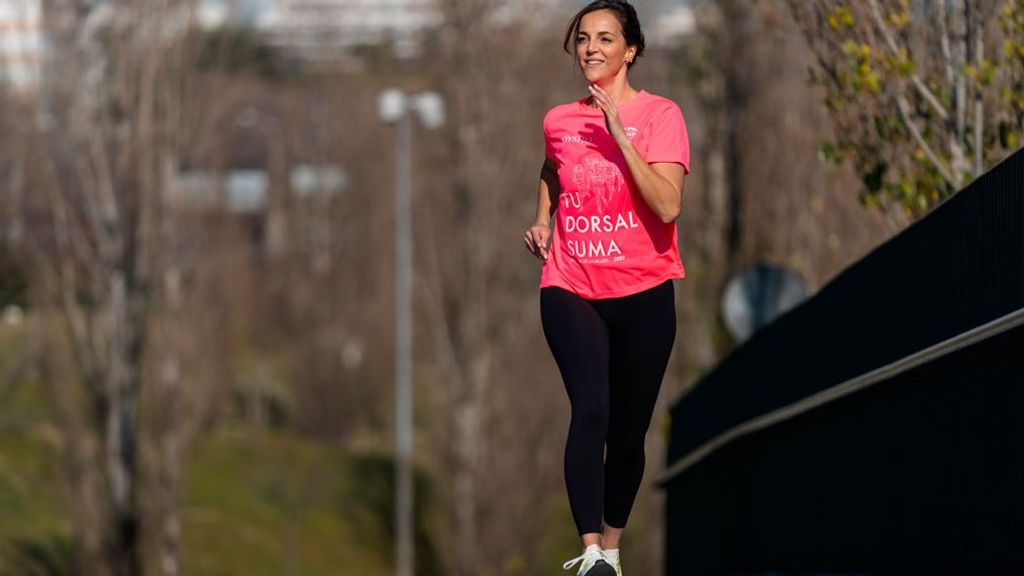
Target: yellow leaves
column 869, row 70
column 987, row 73
column 1012, row 47
column 871, row 82
column 865, row 77
column 845, row 15
column 905, row 66
column 907, row 187
column 1008, row 10
column 840, row 17
column 983, row 74
column 899, row 63
column 1012, row 24
column 857, row 50
column 899, row 20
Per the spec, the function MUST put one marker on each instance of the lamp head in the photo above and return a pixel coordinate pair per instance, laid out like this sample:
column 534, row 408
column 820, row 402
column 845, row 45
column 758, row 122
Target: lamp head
column 392, row 104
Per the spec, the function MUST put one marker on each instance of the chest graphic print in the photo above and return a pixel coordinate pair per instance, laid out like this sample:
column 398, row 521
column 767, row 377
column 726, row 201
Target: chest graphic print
column 597, row 179
column 596, row 213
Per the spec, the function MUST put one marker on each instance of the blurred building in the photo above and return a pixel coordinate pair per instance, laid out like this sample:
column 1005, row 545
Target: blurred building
column 21, row 43
column 325, row 33
column 240, row 13
column 246, row 190
column 244, row 195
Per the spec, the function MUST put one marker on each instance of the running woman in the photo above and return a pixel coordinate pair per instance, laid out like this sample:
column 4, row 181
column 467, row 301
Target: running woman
column 613, row 180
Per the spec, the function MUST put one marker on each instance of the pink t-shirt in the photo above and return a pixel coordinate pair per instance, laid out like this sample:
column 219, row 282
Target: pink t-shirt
column 607, row 242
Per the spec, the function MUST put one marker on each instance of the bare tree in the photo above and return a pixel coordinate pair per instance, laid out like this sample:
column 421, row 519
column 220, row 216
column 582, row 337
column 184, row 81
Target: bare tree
column 101, row 146
column 463, row 301
column 478, row 286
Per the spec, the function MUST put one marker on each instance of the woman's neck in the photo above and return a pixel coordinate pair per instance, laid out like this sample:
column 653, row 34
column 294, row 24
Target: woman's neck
column 619, row 89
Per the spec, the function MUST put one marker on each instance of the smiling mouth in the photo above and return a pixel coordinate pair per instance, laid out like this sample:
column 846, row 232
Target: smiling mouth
column 593, row 62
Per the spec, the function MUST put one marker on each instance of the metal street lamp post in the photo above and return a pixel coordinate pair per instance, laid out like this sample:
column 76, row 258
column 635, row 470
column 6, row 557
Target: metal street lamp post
column 397, row 107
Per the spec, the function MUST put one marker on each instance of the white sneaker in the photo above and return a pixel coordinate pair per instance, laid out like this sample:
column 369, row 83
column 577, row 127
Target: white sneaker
column 594, row 563
column 612, row 557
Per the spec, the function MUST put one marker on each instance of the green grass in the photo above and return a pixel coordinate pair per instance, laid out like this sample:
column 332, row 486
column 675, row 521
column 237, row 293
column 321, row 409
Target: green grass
column 253, row 504
column 277, row 506
column 35, row 525
column 271, row 503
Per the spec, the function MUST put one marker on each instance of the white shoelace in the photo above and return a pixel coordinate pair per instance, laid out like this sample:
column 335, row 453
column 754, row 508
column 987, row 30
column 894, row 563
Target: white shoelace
column 589, row 557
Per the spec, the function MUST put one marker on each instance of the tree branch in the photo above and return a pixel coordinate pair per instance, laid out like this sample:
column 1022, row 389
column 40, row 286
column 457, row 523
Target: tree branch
column 947, row 56
column 919, row 84
column 959, row 12
column 915, row 132
column 979, row 105
column 83, row 350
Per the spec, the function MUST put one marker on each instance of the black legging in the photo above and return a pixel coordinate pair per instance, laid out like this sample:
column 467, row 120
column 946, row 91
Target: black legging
column 612, row 354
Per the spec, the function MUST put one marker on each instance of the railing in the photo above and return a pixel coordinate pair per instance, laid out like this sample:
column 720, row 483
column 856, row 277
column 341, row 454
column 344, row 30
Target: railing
column 879, row 427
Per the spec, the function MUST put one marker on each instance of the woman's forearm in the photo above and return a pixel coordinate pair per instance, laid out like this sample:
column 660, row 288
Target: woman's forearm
column 660, row 193
column 547, row 195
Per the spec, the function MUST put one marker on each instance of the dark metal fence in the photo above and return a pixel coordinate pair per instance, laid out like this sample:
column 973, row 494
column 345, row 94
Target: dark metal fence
column 879, row 427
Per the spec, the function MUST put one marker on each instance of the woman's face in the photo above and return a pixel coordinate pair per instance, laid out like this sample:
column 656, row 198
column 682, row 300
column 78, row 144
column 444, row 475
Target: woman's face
column 601, row 49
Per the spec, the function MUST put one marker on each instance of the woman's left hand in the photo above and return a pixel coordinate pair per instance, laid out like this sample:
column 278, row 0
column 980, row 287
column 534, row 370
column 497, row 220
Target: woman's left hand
column 611, row 112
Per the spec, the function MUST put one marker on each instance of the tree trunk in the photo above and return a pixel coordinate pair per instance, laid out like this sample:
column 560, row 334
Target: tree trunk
column 121, row 431
column 174, row 432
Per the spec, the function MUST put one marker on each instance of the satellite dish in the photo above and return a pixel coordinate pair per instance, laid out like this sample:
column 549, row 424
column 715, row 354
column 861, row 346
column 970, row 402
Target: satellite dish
column 755, row 297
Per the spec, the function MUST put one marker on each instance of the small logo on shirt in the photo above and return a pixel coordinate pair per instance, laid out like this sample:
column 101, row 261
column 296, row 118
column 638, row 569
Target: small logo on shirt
column 577, row 139
column 631, row 132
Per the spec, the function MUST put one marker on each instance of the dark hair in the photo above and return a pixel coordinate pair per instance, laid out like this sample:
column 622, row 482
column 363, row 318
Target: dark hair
column 627, row 18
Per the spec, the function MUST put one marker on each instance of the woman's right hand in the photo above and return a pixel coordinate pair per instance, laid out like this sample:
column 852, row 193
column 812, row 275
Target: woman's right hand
column 536, row 240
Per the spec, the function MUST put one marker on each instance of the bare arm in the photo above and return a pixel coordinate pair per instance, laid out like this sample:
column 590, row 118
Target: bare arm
column 539, row 234
column 660, row 184
column 550, row 188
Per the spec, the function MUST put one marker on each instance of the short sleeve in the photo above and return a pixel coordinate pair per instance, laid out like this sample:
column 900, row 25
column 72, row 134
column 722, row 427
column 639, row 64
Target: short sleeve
column 669, row 141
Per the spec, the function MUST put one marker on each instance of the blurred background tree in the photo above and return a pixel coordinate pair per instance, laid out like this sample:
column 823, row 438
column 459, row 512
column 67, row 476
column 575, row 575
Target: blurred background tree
column 924, row 95
column 106, row 266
